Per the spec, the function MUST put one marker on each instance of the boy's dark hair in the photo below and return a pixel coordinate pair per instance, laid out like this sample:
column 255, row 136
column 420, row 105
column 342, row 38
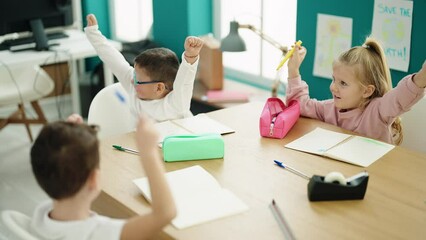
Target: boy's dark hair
column 63, row 156
column 160, row 64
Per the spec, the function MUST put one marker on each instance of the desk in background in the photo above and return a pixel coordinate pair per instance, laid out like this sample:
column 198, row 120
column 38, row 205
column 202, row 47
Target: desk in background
column 394, row 206
column 75, row 47
column 199, row 103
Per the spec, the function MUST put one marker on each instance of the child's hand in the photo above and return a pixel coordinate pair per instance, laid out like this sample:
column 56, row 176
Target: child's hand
column 91, row 20
column 192, row 46
column 146, row 135
column 295, row 61
column 75, row 118
column 420, row 78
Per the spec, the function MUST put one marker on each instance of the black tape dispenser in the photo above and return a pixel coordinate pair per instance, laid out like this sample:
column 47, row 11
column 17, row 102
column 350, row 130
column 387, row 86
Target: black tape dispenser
column 334, row 186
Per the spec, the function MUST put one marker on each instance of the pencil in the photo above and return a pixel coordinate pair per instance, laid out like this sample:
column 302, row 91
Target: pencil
column 281, row 221
column 288, row 55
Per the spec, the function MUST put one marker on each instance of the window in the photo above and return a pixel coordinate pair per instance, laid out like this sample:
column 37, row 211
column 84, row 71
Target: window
column 131, row 19
column 276, row 19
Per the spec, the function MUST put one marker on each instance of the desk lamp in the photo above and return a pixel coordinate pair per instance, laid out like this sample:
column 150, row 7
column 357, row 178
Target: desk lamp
column 234, row 43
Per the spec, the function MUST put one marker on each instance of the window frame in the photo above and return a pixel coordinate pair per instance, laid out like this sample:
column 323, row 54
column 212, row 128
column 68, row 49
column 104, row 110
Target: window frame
column 143, row 32
column 258, row 80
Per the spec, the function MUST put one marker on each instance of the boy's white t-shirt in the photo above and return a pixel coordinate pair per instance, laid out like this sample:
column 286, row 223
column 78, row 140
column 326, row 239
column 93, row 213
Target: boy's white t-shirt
column 95, row 227
column 174, row 105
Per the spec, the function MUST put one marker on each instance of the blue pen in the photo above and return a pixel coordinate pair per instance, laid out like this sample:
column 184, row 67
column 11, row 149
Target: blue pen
column 280, row 164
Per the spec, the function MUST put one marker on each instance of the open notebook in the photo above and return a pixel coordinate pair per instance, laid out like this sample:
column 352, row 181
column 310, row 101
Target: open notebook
column 198, row 124
column 199, row 197
column 348, row 148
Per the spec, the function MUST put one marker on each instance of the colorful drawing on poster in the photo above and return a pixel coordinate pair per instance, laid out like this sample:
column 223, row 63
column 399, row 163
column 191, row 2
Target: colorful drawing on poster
column 392, row 22
column 334, row 35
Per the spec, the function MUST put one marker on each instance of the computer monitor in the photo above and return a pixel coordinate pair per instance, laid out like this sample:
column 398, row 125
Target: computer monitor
column 34, row 16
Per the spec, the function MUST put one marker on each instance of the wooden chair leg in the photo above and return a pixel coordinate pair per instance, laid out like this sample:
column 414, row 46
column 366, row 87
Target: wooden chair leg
column 39, row 112
column 24, row 119
column 3, row 123
column 20, row 117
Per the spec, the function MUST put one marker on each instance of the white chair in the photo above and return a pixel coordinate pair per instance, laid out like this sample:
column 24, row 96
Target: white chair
column 20, row 85
column 413, row 129
column 18, row 224
column 110, row 110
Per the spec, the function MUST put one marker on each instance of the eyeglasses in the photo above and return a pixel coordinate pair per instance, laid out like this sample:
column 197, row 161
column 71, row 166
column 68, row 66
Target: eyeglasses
column 136, row 82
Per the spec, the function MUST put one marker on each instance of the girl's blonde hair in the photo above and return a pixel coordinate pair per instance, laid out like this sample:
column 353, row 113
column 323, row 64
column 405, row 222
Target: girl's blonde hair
column 371, row 68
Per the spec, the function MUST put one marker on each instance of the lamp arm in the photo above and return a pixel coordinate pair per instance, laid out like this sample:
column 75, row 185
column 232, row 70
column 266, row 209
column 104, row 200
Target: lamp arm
column 265, row 37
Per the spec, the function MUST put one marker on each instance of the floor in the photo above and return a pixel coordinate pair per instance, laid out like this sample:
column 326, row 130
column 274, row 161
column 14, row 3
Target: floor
column 18, row 188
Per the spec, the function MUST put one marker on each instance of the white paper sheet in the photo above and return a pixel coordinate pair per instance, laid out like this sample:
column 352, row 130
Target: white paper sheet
column 199, row 197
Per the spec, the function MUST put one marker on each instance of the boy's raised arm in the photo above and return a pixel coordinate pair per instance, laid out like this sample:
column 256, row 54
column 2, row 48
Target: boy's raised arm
column 163, row 206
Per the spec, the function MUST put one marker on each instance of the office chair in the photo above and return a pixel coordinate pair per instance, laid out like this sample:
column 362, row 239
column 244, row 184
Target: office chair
column 24, row 84
column 414, row 132
column 18, row 224
column 110, row 110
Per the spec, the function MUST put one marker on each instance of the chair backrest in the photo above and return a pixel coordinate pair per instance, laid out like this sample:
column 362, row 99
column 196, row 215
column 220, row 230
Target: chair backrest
column 413, row 129
column 110, row 110
column 24, row 83
column 18, row 224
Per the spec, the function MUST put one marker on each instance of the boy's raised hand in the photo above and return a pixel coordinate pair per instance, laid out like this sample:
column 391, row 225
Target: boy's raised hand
column 146, row 135
column 192, row 46
column 75, row 118
column 91, row 20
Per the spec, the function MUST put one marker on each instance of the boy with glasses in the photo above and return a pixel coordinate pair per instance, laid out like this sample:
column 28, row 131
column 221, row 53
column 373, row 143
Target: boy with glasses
column 157, row 85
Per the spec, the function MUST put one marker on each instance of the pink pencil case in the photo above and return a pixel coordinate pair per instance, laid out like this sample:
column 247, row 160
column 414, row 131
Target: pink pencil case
column 277, row 119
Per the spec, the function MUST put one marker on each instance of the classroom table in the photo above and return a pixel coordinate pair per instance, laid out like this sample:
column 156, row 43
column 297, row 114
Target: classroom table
column 394, row 206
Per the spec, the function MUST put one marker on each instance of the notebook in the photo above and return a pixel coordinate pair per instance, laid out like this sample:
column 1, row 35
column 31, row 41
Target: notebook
column 198, row 196
column 348, row 148
column 225, row 96
column 198, row 124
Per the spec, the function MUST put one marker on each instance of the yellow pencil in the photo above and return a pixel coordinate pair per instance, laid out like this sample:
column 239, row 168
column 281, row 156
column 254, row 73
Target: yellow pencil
column 288, row 55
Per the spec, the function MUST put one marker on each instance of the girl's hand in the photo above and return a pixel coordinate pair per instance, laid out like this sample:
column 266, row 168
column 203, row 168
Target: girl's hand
column 295, row 61
column 420, row 78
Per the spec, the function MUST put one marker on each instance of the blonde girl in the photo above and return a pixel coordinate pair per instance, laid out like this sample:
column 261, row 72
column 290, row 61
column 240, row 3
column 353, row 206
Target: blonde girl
column 363, row 98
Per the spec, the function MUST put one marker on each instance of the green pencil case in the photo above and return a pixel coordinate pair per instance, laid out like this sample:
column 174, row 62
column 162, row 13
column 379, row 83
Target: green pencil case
column 193, row 147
